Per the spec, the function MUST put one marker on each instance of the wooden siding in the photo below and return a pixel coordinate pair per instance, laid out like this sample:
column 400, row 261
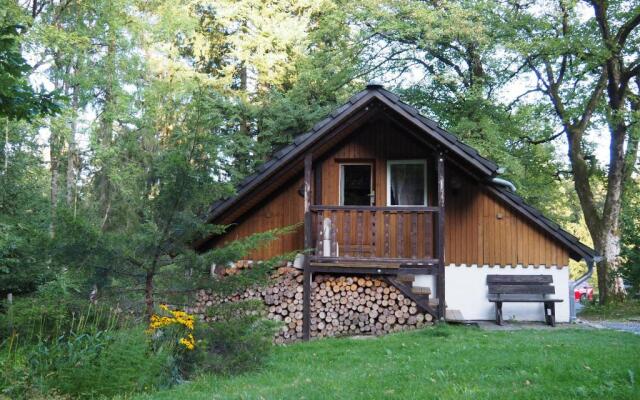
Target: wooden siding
column 479, row 228
column 376, row 143
column 284, row 208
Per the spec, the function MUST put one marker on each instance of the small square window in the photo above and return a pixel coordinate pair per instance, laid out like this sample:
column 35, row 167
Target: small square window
column 407, row 183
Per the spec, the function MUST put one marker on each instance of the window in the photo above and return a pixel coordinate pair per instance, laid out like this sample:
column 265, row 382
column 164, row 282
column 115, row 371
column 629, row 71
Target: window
column 356, row 184
column 407, row 183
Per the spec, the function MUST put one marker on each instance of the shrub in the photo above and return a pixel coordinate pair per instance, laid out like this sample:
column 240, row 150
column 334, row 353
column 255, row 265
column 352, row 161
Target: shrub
column 54, row 310
column 172, row 331
column 101, row 364
column 14, row 373
column 238, row 340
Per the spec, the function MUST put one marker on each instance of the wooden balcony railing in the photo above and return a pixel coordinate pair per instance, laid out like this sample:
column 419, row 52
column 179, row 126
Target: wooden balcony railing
column 380, row 234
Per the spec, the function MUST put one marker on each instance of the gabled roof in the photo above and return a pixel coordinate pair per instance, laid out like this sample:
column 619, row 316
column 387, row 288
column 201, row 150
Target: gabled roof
column 302, row 142
column 483, row 167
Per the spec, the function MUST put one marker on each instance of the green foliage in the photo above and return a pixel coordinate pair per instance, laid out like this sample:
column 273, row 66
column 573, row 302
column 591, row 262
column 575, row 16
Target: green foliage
column 18, row 100
column 56, row 308
column 238, row 340
column 24, row 239
column 104, row 363
column 613, row 311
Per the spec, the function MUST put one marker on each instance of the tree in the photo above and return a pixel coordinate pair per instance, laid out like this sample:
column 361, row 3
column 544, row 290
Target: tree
column 21, row 198
column 586, row 62
column 18, row 100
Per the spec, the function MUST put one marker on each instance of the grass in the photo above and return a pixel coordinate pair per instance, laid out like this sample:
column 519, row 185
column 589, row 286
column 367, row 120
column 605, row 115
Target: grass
column 445, row 362
column 630, row 309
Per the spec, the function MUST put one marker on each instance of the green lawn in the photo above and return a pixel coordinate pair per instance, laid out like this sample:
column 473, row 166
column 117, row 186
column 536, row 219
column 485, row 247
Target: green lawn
column 443, row 362
column 630, row 309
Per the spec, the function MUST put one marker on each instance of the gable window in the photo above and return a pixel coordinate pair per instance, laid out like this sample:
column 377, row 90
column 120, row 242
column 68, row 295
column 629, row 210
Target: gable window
column 407, row 183
column 356, row 184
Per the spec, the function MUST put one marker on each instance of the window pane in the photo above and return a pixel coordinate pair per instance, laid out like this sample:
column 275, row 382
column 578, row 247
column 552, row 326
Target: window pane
column 356, row 185
column 406, row 183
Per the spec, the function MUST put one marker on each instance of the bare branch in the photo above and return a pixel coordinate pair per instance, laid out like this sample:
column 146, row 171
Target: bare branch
column 565, row 30
column 627, row 28
column 524, row 94
column 593, row 101
column 633, row 71
column 545, row 140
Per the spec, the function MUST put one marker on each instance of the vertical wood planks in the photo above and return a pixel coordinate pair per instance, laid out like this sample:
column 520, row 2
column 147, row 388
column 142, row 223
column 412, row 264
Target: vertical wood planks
column 347, row 234
column 359, row 232
column 334, row 236
column 414, row 235
column 400, row 234
column 321, row 232
column 387, row 239
column 428, row 237
column 373, row 234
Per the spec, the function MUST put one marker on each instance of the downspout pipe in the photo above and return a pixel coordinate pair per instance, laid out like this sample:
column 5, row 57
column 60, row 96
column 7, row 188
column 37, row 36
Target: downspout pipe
column 505, row 183
column 578, row 282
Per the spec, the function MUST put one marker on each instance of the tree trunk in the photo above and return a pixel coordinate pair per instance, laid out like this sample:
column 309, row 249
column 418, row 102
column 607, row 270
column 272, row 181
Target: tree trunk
column 610, row 284
column 53, row 155
column 72, row 156
column 148, row 294
column 106, row 132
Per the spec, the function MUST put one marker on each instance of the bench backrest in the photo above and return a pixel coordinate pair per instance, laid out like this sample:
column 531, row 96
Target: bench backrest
column 521, row 284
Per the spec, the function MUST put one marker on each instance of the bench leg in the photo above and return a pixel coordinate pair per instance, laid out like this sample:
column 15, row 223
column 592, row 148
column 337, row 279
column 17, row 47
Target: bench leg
column 499, row 320
column 550, row 313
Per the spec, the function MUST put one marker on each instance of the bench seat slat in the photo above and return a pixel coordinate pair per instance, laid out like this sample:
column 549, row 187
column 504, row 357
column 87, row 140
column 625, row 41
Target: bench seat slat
column 521, row 289
column 519, row 279
column 519, row 298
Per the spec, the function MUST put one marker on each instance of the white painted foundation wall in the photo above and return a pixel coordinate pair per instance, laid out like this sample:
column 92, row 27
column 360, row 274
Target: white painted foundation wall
column 467, row 291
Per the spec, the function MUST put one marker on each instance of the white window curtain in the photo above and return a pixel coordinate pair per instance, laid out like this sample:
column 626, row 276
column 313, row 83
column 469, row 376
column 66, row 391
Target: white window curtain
column 407, row 183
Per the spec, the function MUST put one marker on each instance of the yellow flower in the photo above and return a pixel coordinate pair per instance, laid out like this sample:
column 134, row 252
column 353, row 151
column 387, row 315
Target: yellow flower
column 189, row 342
column 177, row 318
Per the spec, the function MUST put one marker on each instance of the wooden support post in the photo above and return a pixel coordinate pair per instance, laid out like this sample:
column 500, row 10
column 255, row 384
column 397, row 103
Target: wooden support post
column 306, row 301
column 317, row 184
column 440, row 284
column 308, row 244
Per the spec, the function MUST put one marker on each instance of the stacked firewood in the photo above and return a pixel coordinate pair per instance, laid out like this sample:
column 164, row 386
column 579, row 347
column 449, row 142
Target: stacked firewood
column 340, row 305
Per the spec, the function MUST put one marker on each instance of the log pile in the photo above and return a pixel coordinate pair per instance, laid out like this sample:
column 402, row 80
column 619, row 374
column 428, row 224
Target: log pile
column 340, row 305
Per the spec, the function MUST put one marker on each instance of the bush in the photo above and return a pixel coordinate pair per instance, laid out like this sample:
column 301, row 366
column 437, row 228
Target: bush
column 54, row 310
column 100, row 364
column 239, row 340
column 172, row 331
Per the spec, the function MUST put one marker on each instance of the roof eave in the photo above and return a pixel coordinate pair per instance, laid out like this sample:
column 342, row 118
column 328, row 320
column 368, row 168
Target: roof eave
column 354, row 104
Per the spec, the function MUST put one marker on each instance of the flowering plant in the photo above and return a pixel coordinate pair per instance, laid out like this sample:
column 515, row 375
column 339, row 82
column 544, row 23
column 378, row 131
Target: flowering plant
column 175, row 318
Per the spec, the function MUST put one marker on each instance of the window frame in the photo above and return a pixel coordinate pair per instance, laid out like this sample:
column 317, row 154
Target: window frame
column 421, row 161
column 341, row 165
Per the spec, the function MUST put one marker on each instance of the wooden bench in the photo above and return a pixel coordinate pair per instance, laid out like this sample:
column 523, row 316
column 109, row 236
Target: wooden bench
column 523, row 289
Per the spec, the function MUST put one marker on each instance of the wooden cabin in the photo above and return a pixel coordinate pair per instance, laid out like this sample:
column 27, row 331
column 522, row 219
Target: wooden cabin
column 379, row 189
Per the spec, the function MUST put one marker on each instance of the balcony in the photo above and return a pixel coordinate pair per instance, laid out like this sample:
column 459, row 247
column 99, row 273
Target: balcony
column 388, row 236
